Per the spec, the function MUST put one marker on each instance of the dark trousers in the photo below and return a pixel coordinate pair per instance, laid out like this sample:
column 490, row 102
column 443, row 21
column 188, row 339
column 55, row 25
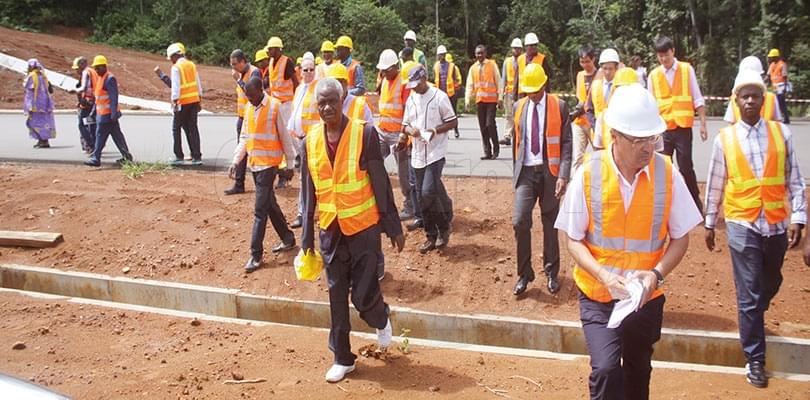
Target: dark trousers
column 87, row 133
column 757, row 263
column 186, row 119
column 103, row 131
column 620, row 358
column 241, row 168
column 433, row 199
column 453, row 102
column 489, row 130
column 533, row 187
column 415, row 196
column 782, row 101
column 353, row 271
column 267, row 206
column 679, row 141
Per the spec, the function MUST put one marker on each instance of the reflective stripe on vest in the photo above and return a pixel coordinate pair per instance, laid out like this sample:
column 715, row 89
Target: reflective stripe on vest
column 538, row 59
column 598, row 96
column 309, row 109
column 189, row 91
column 775, row 72
column 604, row 133
column 582, row 98
column 357, row 108
column 353, row 73
column 241, row 98
column 391, row 107
column 263, row 145
column 484, row 83
column 746, row 196
column 510, row 74
column 437, row 77
column 767, row 112
column 551, row 137
column 619, row 240
column 102, row 97
column 281, row 88
column 89, row 91
column 343, row 191
column 674, row 102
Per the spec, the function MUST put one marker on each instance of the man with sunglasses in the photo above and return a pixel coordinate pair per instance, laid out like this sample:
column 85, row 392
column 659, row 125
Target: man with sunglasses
column 304, row 118
column 621, row 209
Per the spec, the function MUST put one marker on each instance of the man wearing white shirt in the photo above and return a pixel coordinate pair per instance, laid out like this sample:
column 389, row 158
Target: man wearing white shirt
column 428, row 116
column 304, row 117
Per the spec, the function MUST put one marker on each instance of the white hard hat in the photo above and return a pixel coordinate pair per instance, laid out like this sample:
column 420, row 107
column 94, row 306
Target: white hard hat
column 608, row 55
column 388, row 58
column 441, row 50
column 172, row 50
column 410, row 35
column 530, row 39
column 753, row 63
column 633, row 111
column 747, row 77
column 308, row 56
column 516, row 43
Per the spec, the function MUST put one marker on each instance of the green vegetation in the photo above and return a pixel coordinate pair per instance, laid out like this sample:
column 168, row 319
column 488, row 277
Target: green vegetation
column 135, row 170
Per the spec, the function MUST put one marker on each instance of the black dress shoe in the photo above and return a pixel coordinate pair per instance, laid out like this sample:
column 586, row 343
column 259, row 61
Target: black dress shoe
column 755, row 374
column 505, row 142
column 282, row 183
column 494, row 156
column 299, row 220
column 252, row 265
column 486, row 157
column 234, row 190
column 92, row 163
column 427, row 246
column 553, row 285
column 521, row 285
column 416, row 224
column 283, row 247
column 443, row 240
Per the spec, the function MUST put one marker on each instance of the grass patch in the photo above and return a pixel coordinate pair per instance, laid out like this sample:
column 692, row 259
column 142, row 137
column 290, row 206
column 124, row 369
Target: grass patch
column 135, row 170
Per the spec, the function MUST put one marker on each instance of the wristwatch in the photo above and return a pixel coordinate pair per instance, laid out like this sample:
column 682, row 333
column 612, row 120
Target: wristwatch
column 660, row 277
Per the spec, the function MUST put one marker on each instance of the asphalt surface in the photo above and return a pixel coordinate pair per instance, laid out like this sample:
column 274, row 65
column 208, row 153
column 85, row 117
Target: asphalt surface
column 149, row 139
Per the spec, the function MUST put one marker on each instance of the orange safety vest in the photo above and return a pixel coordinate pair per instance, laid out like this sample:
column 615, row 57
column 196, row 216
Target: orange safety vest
column 485, row 86
column 746, row 196
column 598, row 96
column 189, row 91
column 775, row 72
column 281, row 88
column 582, row 97
column 604, row 132
column 451, row 78
column 357, row 108
column 538, row 59
column 675, row 102
column 263, row 144
column 241, row 98
column 353, row 73
column 509, row 71
column 767, row 112
column 309, row 108
column 624, row 240
column 102, row 97
column 551, row 136
column 89, row 91
column 343, row 190
column 391, row 106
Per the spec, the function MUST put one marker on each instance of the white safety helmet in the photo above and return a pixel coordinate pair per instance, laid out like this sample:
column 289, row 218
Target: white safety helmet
column 516, row 43
column 388, row 58
column 173, row 49
column 608, row 55
column 308, row 56
column 633, row 111
column 748, row 77
column 410, row 35
column 441, row 50
column 752, row 63
column 530, row 39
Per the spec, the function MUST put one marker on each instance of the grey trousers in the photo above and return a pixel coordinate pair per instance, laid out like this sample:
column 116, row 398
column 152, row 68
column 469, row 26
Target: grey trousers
column 533, row 187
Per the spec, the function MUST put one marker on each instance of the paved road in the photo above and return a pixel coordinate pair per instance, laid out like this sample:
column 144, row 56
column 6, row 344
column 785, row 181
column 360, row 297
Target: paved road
column 149, row 139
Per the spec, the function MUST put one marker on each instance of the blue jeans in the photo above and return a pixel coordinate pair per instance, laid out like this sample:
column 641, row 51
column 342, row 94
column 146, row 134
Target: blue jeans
column 433, row 199
column 87, row 132
column 757, row 262
column 103, row 131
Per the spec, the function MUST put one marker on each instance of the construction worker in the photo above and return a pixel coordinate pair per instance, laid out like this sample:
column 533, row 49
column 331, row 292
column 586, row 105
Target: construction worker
column 410, row 41
column 446, row 76
column 186, row 93
column 107, row 112
column 357, row 80
column 602, row 137
column 261, row 143
column 84, row 94
column 353, row 106
column 510, row 85
column 753, row 172
column 344, row 178
column 298, row 68
column 304, row 118
column 770, row 107
column 675, row 87
column 407, row 62
column 602, row 85
column 242, row 71
column 532, row 56
column 327, row 52
column 484, row 85
column 581, row 126
column 459, row 90
column 282, row 87
column 778, row 77
column 262, row 61
column 542, row 161
column 622, row 207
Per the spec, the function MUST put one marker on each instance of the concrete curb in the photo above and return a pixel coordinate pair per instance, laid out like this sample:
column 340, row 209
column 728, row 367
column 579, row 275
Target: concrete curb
column 787, row 355
column 111, row 165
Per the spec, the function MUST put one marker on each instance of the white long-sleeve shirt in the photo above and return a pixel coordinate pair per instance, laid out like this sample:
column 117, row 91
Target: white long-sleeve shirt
column 697, row 96
column 288, row 147
column 175, row 75
column 469, row 97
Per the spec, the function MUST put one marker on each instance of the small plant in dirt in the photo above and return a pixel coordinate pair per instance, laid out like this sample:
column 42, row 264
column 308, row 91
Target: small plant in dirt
column 135, row 170
column 405, row 346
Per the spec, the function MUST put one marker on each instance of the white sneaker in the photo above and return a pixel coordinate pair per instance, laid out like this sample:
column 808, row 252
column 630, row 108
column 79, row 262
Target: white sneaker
column 338, row 372
column 384, row 336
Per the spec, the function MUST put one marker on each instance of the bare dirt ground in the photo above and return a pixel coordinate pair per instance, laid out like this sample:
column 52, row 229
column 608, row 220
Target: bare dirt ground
column 178, row 227
column 91, row 352
column 133, row 69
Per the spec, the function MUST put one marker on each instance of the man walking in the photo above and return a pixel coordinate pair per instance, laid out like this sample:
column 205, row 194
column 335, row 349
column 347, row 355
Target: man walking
column 581, row 126
column 242, row 71
column 304, row 118
column 357, row 80
column 107, row 111
column 510, row 82
column 282, row 87
column 753, row 171
column 410, row 41
column 778, row 77
column 484, row 85
column 446, row 76
column 542, row 165
column 260, row 142
column 770, row 107
column 344, row 178
column 327, row 52
column 86, row 99
column 186, row 92
column 533, row 56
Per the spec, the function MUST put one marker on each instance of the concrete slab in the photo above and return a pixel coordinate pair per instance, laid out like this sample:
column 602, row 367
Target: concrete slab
column 176, row 296
column 53, row 281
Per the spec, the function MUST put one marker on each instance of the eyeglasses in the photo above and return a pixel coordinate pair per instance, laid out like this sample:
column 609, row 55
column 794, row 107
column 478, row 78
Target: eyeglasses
column 308, row 69
column 638, row 142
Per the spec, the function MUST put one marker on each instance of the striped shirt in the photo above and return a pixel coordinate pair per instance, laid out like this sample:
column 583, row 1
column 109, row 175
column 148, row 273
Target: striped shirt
column 754, row 144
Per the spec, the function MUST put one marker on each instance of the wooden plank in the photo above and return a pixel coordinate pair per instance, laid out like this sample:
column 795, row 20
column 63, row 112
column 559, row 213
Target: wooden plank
column 29, row 239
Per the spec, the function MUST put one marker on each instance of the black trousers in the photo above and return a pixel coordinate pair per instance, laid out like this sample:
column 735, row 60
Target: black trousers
column 782, row 102
column 533, row 187
column 453, row 102
column 267, row 206
column 105, row 130
column 353, row 271
column 488, row 127
column 433, row 199
column 186, row 119
column 620, row 358
column 87, row 132
column 241, row 168
column 679, row 141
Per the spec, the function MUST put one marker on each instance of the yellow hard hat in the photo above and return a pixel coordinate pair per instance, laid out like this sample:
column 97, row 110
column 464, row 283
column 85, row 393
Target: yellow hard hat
column 99, row 60
column 625, row 76
column 344, row 41
column 327, row 45
column 299, row 60
column 77, row 61
column 337, row 71
column 774, row 53
column 318, row 60
column 181, row 46
column 533, row 78
column 448, row 57
column 261, row 55
column 275, row 41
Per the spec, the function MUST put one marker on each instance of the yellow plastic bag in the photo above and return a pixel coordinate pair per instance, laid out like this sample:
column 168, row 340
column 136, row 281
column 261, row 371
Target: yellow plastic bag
column 308, row 265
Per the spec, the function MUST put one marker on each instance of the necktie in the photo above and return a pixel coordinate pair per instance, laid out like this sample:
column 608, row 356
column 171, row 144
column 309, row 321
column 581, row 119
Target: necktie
column 517, row 76
column 607, row 91
column 535, row 132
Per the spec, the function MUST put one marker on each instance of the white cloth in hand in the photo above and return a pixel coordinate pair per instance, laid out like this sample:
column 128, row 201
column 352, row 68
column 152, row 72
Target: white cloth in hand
column 627, row 306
